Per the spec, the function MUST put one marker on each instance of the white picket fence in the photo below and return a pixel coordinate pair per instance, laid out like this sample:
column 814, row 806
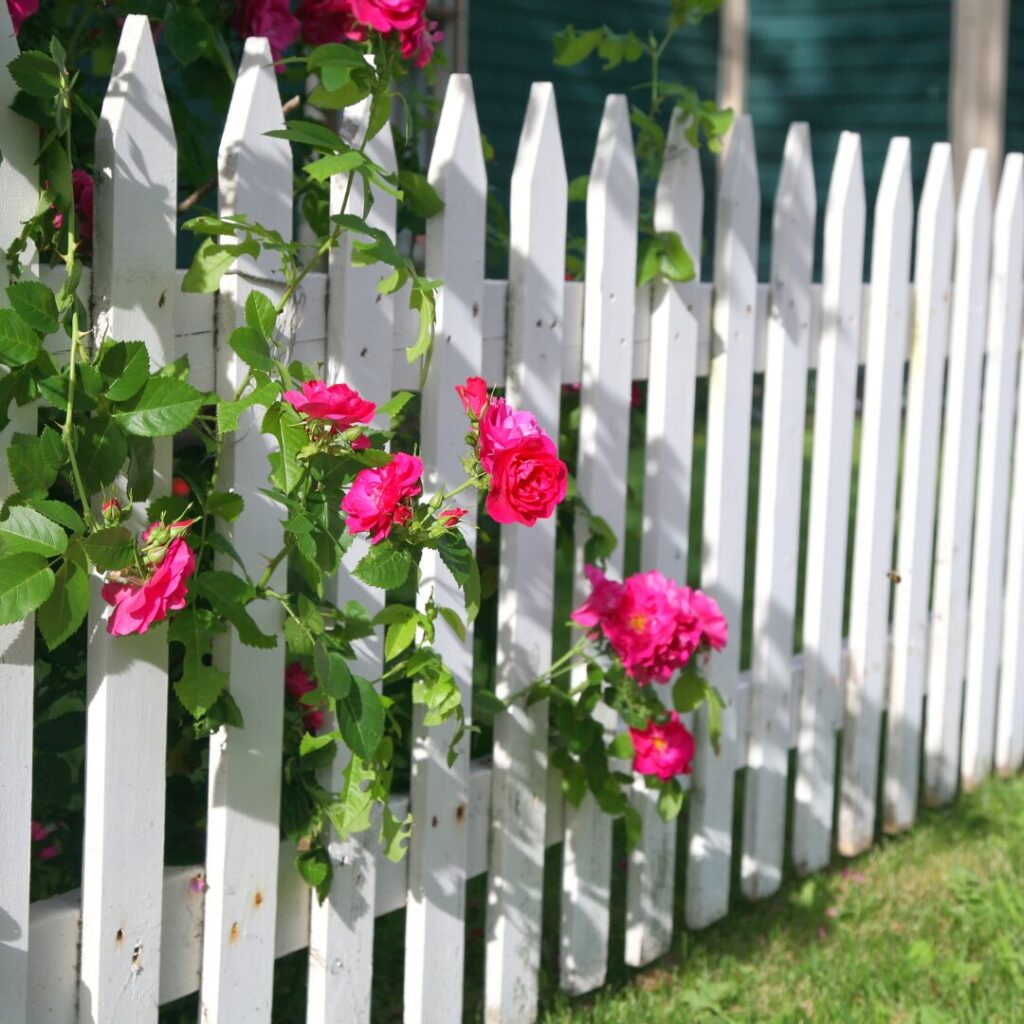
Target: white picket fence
column 141, row 934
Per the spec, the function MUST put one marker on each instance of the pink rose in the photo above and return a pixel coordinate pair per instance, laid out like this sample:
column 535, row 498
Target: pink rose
column 328, row 21
column 20, row 10
column 502, row 427
column 451, row 516
column 82, row 188
column 297, row 683
column 40, row 833
column 714, row 628
column 663, row 750
column 338, row 404
column 377, row 499
column 269, row 18
column 137, row 606
column 527, row 481
column 474, row 395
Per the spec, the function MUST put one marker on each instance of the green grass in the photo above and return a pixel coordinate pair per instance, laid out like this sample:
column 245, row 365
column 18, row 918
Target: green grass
column 927, row 928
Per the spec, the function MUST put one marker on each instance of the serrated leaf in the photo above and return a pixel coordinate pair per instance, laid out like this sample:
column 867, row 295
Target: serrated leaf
column 394, row 834
column 384, row 566
column 572, row 47
column 213, row 260
column 461, row 562
column 398, row 637
column 35, row 304
column 36, row 73
column 419, row 195
column 251, row 347
column 224, row 504
column 23, row 529
column 282, row 422
column 126, row 365
column 361, row 718
column 332, row 671
column 310, row 133
column 229, row 595
column 316, row 870
column 200, row 687
column 110, row 548
column 165, row 407
column 19, row 344
column 66, row 607
column 142, row 456
column 101, row 449
column 26, row 581
column 34, row 461
column 621, row 747
column 336, row 163
column 260, row 314
column 458, row 627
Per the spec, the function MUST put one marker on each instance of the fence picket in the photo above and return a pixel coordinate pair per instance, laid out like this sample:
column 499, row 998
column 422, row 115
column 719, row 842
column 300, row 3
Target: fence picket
column 525, row 615
column 245, row 764
column 18, row 197
column 948, row 648
column 778, row 521
column 1002, row 351
column 888, row 324
column 727, row 459
column 360, row 327
column 672, row 378
column 824, row 586
column 932, row 279
column 601, row 480
column 439, row 794
column 133, row 285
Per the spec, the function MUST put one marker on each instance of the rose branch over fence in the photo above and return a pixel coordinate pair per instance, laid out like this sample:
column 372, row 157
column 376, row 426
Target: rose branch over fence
column 140, row 934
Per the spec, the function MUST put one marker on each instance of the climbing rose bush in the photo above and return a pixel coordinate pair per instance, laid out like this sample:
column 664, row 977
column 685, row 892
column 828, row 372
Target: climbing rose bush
column 379, row 498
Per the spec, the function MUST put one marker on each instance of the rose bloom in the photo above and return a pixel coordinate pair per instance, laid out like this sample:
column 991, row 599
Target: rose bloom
column 376, row 501
column 297, row 683
column 528, row 481
column 20, row 10
column 83, row 188
column 337, row 404
column 180, row 487
column 269, row 18
column 474, row 395
column 137, row 606
column 502, row 427
column 330, row 21
column 40, row 833
column 451, row 516
column 653, row 625
column 663, row 750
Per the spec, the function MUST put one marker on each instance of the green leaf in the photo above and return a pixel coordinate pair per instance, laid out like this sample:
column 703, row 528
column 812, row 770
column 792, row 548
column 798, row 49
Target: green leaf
column 461, row 562
column 101, row 449
column 249, row 344
column 399, row 636
column 572, row 47
column 60, row 735
column 36, row 73
column 670, row 801
column 110, row 548
column 34, row 462
column 200, row 687
column 142, row 454
column 394, row 405
column 58, row 512
column 316, row 870
column 458, row 627
column 361, row 718
column 229, row 595
column 715, row 708
column 66, row 607
column 185, row 31
column 380, row 114
column 26, row 581
column 688, row 690
column 634, row 825
column 126, row 365
column 336, row 163
column 224, row 504
column 621, row 747
column 260, row 314
column 578, row 189
column 394, row 834
column 19, row 344
column 165, row 407
column 311, row 133
column 419, row 195
column 35, row 304
column 23, row 529
column 675, row 262
column 283, row 423
column 332, row 672
column 384, row 566
column 213, row 260
column 229, row 413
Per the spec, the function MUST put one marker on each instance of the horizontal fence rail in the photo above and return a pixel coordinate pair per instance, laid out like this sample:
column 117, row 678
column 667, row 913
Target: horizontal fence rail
column 892, row 395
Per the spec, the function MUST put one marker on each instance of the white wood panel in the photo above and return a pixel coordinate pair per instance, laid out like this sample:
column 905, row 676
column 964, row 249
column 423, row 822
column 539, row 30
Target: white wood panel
column 727, row 459
column 947, row 653
column 527, row 578
column 824, row 584
column 679, row 207
column 783, row 422
column 601, row 480
column 125, row 770
column 984, row 639
column 18, row 191
column 932, row 282
column 888, row 324
column 435, row 929
column 360, row 328
column 245, row 764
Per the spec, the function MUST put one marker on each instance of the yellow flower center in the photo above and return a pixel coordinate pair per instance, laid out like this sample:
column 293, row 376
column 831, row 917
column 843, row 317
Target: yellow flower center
column 638, row 622
column 660, row 744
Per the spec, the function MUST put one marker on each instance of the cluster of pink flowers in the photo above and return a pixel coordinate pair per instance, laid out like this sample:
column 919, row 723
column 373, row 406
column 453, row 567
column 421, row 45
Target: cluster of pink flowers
column 653, row 625
column 41, row 834
column 332, row 21
column 381, row 498
column 527, row 478
column 140, row 602
column 83, row 188
column 337, row 405
column 297, row 683
column 20, row 10
column 663, row 750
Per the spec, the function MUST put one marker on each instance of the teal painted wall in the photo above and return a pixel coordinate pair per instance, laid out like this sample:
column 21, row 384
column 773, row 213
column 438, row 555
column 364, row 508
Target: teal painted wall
column 1015, row 80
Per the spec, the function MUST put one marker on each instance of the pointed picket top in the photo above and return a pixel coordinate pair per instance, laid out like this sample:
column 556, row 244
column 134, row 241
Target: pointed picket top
column 846, row 205
column 994, row 464
column 256, row 170
column 795, row 209
column 739, row 170
column 895, row 193
column 679, row 194
column 540, row 161
column 947, row 657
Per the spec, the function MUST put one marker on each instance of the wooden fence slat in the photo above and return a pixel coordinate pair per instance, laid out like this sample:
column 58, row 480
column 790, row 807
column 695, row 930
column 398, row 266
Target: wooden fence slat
column 526, row 603
column 18, row 198
column 679, row 207
column 1002, row 349
column 783, row 422
column 601, row 479
column 888, row 326
column 245, row 764
column 824, row 585
column 439, row 794
column 727, row 459
column 125, row 770
column 932, row 280
column 947, row 653
column 360, row 327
